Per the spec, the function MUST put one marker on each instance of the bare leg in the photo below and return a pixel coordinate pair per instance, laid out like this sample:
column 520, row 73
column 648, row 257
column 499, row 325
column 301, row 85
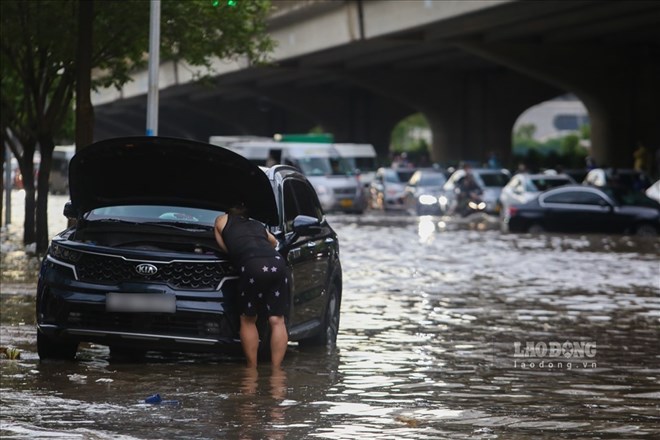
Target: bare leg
column 250, row 339
column 279, row 339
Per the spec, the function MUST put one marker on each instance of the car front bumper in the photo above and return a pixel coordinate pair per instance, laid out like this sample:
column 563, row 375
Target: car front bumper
column 72, row 310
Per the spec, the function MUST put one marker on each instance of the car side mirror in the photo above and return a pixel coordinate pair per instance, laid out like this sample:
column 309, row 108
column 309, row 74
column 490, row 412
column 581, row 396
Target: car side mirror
column 69, row 211
column 304, row 225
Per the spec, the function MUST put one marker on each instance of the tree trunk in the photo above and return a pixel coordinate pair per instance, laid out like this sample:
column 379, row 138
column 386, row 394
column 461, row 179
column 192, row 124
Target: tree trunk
column 2, row 181
column 46, row 145
column 26, row 165
column 84, row 108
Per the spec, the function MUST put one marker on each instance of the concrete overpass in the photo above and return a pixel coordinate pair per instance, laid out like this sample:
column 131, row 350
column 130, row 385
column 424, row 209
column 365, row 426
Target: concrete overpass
column 357, row 67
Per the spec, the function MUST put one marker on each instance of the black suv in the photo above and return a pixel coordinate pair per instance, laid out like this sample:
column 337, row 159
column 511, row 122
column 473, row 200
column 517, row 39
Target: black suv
column 141, row 270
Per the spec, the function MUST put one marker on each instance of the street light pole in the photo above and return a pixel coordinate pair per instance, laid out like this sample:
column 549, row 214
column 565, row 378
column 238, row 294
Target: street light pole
column 154, row 64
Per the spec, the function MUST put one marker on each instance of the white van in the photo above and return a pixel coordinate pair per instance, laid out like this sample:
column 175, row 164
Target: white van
column 253, row 148
column 58, row 181
column 362, row 158
column 336, row 184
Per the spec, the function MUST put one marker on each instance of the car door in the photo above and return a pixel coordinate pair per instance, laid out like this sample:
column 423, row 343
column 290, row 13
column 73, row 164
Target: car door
column 307, row 256
column 578, row 210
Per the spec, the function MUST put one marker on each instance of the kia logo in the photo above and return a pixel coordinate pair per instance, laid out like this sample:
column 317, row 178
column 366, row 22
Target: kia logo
column 146, row 269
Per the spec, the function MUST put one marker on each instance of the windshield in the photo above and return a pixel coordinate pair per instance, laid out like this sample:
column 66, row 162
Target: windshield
column 154, row 213
column 342, row 166
column 326, row 166
column 398, row 176
column 364, row 164
column 432, row 179
column 545, row 184
column 315, row 166
column 494, row 179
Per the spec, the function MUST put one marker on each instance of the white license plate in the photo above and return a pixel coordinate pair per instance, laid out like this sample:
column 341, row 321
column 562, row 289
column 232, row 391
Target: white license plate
column 140, row 302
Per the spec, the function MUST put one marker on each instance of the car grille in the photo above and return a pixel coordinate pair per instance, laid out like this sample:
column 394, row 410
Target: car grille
column 179, row 275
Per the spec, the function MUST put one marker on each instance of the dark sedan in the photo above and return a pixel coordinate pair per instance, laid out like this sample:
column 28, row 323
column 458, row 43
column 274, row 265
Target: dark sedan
column 141, row 270
column 579, row 208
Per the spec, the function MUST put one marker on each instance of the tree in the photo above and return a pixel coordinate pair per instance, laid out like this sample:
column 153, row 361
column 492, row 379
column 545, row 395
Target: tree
column 38, row 53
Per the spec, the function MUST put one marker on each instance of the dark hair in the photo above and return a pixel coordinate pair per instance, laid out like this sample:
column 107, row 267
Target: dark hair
column 238, row 209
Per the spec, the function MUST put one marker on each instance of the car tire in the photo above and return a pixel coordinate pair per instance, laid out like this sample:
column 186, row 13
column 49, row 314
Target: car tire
column 646, row 230
column 47, row 348
column 536, row 228
column 327, row 336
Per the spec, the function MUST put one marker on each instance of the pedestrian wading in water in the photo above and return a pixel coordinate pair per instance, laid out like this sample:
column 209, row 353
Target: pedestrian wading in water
column 263, row 284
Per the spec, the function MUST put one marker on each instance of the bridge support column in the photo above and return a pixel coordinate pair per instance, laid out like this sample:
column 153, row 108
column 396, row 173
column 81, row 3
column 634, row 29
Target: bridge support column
column 475, row 115
column 618, row 85
column 470, row 114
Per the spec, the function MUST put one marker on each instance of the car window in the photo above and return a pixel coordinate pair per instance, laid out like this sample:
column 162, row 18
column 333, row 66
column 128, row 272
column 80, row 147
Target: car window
column 575, row 198
column 365, row 164
column 631, row 198
column 546, row 184
column 404, row 176
column 391, row 177
column 341, row 166
column 431, row 179
column 315, row 166
column 299, row 199
column 494, row 179
column 290, row 207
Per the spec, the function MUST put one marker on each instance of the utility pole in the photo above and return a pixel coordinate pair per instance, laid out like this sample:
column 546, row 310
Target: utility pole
column 154, row 64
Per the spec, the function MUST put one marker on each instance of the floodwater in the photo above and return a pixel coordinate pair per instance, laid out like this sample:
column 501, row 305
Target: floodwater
column 449, row 330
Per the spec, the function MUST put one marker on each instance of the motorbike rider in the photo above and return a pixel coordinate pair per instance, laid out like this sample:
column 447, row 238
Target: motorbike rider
column 467, row 190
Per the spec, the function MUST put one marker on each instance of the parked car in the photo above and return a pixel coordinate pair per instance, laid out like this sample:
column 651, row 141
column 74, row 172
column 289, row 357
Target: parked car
column 524, row 187
column 423, row 190
column 491, row 182
column 141, row 269
column 388, row 189
column 626, row 178
column 581, row 208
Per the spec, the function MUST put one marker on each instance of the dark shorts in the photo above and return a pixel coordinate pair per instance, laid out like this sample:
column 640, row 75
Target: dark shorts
column 263, row 287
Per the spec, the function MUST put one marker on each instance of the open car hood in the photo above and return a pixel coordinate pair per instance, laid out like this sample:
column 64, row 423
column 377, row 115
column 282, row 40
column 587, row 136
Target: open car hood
column 167, row 171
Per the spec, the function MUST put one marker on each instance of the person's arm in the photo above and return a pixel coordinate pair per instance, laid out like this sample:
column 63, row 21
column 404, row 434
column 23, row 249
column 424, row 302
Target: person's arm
column 271, row 238
column 220, row 223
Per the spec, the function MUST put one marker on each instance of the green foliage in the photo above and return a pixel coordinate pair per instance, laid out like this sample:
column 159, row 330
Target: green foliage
column 525, row 132
column 38, row 49
column 405, row 135
column 564, row 151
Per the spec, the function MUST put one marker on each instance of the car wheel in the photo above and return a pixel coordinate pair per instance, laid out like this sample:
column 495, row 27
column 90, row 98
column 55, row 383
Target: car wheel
column 327, row 336
column 51, row 349
column 646, row 230
column 536, row 229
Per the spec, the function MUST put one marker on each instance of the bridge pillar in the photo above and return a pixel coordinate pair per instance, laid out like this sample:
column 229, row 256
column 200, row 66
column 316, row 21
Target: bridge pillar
column 471, row 115
column 617, row 83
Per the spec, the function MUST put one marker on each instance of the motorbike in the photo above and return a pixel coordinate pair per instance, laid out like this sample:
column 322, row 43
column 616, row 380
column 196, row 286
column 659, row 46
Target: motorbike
column 469, row 202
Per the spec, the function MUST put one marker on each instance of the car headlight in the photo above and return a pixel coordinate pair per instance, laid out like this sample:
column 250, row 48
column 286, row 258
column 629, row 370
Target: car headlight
column 442, row 200
column 427, row 199
column 322, row 190
column 64, row 253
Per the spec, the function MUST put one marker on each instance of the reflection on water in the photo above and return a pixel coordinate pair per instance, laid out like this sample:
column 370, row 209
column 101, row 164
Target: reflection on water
column 449, row 329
